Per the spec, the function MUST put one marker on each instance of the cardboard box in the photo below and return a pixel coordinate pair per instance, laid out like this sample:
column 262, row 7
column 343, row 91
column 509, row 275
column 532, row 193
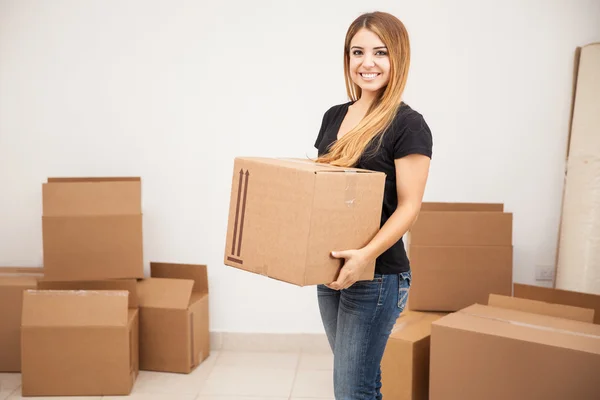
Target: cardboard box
column 542, row 307
column 459, row 254
column 490, row 353
column 13, row 281
column 461, row 224
column 174, row 318
column 405, row 364
column 557, row 296
column 78, row 343
column 287, row 216
column 449, row 278
column 92, row 228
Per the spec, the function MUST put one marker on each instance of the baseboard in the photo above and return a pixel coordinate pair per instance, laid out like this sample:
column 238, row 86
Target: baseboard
column 269, row 342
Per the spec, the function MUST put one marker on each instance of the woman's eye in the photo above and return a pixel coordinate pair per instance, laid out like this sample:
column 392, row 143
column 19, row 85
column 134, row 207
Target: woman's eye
column 357, row 52
column 381, row 53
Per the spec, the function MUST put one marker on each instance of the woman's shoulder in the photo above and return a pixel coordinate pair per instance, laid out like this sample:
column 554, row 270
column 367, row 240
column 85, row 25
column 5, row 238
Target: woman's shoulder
column 408, row 119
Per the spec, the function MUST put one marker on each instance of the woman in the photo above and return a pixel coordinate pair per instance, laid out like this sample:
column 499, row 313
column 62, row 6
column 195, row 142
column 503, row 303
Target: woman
column 374, row 131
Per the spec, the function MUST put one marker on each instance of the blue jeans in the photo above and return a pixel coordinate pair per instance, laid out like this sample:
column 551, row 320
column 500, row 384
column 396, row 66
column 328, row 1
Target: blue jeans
column 358, row 322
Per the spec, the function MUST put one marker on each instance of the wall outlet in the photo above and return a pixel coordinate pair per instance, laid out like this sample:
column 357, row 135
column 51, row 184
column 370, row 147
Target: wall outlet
column 544, row 272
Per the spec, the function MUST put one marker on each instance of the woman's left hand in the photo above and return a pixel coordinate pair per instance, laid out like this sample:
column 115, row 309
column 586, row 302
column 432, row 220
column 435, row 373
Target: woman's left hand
column 354, row 265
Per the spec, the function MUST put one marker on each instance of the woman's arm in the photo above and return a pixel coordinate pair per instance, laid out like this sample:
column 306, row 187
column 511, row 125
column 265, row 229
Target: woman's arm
column 411, row 176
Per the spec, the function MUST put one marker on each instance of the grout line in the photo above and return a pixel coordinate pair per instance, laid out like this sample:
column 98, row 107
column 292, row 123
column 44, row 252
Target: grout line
column 296, row 374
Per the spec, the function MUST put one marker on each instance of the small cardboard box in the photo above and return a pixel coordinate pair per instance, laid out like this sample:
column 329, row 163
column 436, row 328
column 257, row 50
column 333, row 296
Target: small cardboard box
column 459, row 254
column 484, row 352
column 287, row 216
column 174, row 318
column 542, row 307
column 558, row 296
column 78, row 343
column 13, row 281
column 405, row 364
column 92, row 228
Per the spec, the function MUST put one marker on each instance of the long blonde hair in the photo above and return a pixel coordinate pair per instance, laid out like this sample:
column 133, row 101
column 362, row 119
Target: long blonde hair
column 347, row 151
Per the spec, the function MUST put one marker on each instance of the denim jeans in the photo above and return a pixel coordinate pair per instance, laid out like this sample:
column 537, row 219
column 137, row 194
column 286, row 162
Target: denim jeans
column 358, row 322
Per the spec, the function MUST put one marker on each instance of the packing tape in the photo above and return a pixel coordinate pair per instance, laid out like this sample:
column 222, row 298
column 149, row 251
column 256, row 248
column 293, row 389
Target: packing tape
column 350, row 191
column 534, row 326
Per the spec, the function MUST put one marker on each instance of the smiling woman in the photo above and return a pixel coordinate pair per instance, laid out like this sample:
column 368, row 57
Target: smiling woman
column 377, row 131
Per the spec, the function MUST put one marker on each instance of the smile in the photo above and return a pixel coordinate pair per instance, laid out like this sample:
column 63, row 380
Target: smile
column 369, row 76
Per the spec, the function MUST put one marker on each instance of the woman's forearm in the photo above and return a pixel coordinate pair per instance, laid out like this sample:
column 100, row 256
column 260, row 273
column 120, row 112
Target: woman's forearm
column 394, row 228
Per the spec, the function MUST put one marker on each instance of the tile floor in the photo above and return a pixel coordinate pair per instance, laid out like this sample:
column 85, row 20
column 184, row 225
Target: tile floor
column 226, row 375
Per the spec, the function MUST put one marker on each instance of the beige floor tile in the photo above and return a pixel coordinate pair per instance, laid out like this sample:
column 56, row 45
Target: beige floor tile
column 153, row 396
column 17, row 396
column 150, row 382
column 9, row 381
column 253, row 360
column 4, row 393
column 241, row 398
column 244, row 381
column 311, row 383
column 316, row 361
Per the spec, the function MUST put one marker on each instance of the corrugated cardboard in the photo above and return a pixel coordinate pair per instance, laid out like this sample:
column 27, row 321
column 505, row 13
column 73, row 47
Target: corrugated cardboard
column 106, row 284
column 78, row 343
column 578, row 250
column 287, row 216
column 490, row 353
column 13, row 281
column 174, row 318
column 462, row 228
column 405, row 364
column 459, row 254
column 543, row 308
column 448, row 278
column 92, row 228
column 557, row 296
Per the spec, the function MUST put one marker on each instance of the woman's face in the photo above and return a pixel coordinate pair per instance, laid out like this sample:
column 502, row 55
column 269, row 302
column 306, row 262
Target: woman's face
column 369, row 61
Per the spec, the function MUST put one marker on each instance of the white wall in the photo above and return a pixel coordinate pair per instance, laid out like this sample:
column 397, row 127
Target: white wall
column 172, row 90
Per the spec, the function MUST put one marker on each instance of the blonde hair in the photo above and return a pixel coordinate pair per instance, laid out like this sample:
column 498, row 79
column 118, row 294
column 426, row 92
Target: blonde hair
column 347, row 151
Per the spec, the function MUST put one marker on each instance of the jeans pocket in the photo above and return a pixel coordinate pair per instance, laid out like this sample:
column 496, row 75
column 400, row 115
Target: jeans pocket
column 404, row 281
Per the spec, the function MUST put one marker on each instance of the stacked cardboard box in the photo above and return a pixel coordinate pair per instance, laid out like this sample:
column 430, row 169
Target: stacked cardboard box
column 515, row 349
column 13, row 282
column 459, row 254
column 86, row 325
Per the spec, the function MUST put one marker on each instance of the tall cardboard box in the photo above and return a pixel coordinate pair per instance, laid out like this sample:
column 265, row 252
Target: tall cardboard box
column 559, row 296
column 174, row 318
column 287, row 216
column 459, row 254
column 92, row 228
column 484, row 352
column 13, row 281
column 78, row 343
column 405, row 364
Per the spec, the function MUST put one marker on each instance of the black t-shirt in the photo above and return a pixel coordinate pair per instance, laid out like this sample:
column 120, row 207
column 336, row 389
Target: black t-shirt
column 408, row 134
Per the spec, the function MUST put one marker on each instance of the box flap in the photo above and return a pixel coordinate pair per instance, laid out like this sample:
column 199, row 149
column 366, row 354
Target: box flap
column 437, row 206
column 70, row 308
column 107, row 284
column 303, row 165
column 542, row 307
column 413, row 326
column 559, row 296
column 21, row 271
column 197, row 273
column 91, row 197
column 95, row 179
column 165, row 293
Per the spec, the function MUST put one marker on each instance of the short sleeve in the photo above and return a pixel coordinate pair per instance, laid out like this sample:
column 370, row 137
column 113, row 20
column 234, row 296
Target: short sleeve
column 412, row 136
column 324, row 124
